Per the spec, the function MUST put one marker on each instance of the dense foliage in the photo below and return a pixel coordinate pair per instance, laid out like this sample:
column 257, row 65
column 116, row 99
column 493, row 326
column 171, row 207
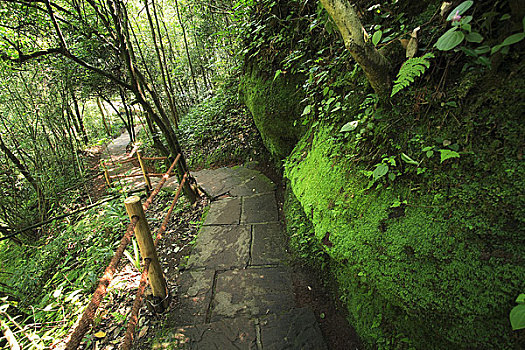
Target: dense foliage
column 413, row 203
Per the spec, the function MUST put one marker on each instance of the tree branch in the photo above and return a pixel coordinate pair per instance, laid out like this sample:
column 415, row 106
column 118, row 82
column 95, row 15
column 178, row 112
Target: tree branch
column 22, row 58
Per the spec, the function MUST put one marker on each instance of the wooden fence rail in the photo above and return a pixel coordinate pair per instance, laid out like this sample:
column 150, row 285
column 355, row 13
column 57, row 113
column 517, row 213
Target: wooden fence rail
column 152, row 269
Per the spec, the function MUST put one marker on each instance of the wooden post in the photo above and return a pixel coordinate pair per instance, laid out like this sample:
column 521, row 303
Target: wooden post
column 147, row 248
column 106, row 173
column 146, row 177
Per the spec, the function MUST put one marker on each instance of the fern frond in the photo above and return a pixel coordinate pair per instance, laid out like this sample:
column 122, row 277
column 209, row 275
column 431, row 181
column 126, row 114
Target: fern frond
column 414, row 67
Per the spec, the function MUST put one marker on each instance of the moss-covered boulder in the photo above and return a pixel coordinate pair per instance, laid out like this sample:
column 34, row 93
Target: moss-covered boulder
column 427, row 261
column 274, row 102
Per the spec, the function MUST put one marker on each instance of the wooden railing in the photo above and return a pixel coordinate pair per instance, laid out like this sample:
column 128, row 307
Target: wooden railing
column 130, row 159
column 152, row 271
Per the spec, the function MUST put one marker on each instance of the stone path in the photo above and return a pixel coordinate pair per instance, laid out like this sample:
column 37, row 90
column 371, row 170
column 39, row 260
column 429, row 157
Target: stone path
column 236, row 291
column 116, row 151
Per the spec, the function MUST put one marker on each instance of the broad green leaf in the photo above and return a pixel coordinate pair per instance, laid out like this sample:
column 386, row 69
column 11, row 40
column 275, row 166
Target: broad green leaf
column 380, row 171
column 447, row 154
column 513, row 39
column 408, row 160
column 460, row 9
column 350, row 126
column 450, row 40
column 376, row 38
column 467, row 19
column 517, row 317
column 520, row 299
column 474, row 37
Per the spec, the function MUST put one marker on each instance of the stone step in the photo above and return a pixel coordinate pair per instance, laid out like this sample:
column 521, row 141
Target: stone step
column 251, row 292
column 294, row 329
column 237, row 181
column 227, row 247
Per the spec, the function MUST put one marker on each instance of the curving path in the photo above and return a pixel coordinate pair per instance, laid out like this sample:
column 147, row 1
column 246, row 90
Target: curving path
column 236, row 291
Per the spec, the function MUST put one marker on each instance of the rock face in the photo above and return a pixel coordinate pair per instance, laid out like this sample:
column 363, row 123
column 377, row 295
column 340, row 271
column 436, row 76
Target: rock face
column 236, row 291
column 275, row 107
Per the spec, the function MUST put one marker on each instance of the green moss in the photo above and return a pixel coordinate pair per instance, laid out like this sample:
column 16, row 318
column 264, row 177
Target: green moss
column 275, row 106
column 415, row 275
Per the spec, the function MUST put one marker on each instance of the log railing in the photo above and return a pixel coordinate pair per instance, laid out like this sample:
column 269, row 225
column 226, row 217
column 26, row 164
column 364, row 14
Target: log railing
column 152, row 271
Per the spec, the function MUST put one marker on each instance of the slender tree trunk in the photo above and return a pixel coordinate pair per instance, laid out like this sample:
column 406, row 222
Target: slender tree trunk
column 377, row 68
column 168, row 87
column 103, row 115
column 129, row 125
column 187, row 49
column 79, row 117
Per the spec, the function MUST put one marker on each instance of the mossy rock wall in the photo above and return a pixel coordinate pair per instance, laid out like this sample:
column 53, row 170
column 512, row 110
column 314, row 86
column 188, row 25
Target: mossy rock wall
column 274, row 103
column 441, row 272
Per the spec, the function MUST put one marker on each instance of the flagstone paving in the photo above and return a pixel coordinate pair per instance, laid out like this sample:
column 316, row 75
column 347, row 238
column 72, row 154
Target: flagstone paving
column 236, row 290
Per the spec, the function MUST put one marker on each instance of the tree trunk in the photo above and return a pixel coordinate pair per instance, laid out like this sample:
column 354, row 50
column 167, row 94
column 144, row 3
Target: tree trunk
column 377, row 68
column 103, row 115
column 79, row 117
column 187, row 50
column 42, row 203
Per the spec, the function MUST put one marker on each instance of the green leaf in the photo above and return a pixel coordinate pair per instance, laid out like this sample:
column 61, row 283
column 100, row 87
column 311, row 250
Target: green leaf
column 467, row 19
column 495, row 49
column 376, row 38
column 505, row 17
column 460, row 9
column 474, row 37
column 484, row 61
column 447, row 154
column 408, row 160
column 350, row 126
column 450, row 40
column 466, row 27
column 469, row 52
column 277, row 73
column 380, row 171
column 482, row 49
column 517, row 317
column 307, row 110
column 513, row 39
column 520, row 299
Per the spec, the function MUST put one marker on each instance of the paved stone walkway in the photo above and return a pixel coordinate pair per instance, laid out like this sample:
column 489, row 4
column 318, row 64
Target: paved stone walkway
column 115, row 152
column 236, row 291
